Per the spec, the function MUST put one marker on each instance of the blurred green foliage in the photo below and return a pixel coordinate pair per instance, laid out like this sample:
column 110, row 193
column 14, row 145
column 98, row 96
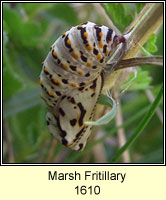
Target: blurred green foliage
column 28, row 31
column 121, row 14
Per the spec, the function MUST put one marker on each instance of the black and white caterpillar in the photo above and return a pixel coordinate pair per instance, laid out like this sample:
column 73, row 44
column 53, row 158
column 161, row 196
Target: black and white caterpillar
column 72, row 78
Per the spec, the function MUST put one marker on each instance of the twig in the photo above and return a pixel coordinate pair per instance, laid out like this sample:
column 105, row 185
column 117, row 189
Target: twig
column 133, row 62
column 41, row 151
column 52, row 150
column 8, row 137
column 121, row 134
column 61, row 156
column 98, row 151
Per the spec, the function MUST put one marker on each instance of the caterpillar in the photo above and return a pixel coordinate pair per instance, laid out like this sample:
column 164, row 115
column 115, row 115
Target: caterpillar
column 72, row 79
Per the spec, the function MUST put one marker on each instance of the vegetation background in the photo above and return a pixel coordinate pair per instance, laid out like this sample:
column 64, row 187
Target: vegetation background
column 28, row 31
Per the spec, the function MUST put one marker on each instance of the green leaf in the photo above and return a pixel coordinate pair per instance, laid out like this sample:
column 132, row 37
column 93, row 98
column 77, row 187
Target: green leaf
column 11, row 84
column 159, row 41
column 120, row 14
column 140, row 82
column 28, row 133
column 32, row 9
column 20, row 31
column 105, row 100
column 22, row 101
column 151, row 44
column 64, row 11
column 11, row 81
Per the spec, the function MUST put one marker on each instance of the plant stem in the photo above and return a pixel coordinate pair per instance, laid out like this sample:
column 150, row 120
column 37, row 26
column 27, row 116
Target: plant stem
column 149, row 22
